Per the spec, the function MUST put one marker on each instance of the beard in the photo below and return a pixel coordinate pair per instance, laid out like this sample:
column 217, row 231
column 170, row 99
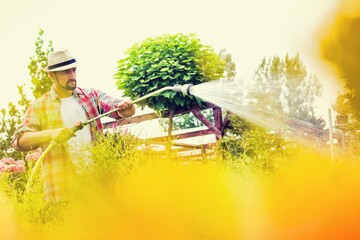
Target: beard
column 70, row 85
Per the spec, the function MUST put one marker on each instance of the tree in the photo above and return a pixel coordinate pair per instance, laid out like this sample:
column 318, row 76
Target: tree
column 230, row 66
column 280, row 88
column 348, row 118
column 266, row 90
column 11, row 117
column 284, row 88
column 39, row 78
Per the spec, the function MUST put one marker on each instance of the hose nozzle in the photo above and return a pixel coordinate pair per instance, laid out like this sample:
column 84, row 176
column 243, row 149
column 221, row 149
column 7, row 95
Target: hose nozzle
column 184, row 89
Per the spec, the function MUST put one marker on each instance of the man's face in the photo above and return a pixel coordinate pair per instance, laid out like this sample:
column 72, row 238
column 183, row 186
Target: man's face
column 66, row 79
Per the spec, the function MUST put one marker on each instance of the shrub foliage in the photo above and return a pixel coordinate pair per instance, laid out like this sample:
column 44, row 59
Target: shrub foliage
column 163, row 61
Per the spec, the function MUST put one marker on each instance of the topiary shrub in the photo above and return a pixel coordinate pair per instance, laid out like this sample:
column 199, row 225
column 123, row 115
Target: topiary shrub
column 165, row 61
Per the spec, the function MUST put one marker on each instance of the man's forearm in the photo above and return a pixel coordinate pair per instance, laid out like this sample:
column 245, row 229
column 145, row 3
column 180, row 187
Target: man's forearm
column 31, row 140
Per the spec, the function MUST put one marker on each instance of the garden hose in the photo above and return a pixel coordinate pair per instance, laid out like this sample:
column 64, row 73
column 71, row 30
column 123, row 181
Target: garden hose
column 177, row 88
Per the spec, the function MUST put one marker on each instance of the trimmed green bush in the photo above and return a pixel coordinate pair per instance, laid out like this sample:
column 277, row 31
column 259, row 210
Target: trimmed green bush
column 163, row 61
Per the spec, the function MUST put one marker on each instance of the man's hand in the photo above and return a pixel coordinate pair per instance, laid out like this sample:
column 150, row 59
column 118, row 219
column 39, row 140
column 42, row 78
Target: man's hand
column 126, row 108
column 61, row 135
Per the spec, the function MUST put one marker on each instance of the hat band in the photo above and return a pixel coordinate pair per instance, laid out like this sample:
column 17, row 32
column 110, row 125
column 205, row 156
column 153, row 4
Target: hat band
column 61, row 64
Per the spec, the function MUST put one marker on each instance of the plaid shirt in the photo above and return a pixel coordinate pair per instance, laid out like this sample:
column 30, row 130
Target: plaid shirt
column 44, row 113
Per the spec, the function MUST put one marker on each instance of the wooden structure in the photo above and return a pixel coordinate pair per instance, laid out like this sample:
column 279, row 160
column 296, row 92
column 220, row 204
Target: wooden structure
column 215, row 128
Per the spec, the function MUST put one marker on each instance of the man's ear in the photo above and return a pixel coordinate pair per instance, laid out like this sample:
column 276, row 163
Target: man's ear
column 51, row 75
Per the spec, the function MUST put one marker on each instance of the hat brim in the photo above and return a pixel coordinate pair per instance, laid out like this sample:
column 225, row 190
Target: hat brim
column 69, row 66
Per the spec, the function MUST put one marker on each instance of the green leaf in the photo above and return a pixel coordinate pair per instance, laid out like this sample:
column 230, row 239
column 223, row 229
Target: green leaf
column 166, row 94
column 186, row 78
column 159, row 105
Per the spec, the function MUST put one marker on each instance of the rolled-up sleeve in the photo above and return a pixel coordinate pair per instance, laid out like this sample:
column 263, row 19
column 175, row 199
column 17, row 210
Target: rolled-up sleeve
column 109, row 103
column 30, row 123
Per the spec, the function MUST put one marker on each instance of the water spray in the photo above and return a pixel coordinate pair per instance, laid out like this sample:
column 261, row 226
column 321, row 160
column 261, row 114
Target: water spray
column 184, row 89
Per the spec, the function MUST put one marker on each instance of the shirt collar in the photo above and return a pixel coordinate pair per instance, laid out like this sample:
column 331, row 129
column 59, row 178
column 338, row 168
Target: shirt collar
column 79, row 94
column 53, row 95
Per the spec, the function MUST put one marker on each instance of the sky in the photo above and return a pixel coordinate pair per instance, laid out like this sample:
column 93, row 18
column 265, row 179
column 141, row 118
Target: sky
column 98, row 33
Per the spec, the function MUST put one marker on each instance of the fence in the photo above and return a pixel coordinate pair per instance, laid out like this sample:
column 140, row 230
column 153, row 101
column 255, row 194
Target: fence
column 193, row 142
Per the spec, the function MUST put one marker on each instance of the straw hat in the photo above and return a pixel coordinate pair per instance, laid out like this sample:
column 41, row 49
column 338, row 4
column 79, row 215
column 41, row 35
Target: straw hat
column 59, row 61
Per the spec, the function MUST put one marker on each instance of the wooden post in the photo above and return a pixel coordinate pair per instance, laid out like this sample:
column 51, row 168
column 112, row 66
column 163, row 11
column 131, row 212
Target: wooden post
column 207, row 123
column 168, row 142
column 218, row 120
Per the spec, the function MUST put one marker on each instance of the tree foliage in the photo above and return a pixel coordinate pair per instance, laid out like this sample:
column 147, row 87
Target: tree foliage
column 230, row 66
column 41, row 82
column 281, row 87
column 284, row 87
column 163, row 61
column 348, row 118
column 11, row 116
column 266, row 89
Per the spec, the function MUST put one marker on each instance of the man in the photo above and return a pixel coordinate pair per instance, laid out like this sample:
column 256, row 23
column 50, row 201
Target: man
column 51, row 117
